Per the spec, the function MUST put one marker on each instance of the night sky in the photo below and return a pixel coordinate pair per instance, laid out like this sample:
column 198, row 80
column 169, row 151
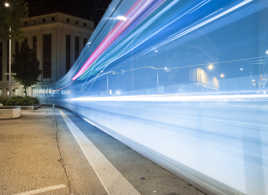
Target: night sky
column 89, row 9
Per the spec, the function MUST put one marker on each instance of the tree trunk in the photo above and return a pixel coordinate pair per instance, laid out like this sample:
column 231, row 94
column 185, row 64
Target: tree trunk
column 25, row 91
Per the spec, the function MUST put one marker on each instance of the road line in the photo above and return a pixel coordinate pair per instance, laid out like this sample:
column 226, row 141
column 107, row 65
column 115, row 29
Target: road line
column 42, row 190
column 112, row 180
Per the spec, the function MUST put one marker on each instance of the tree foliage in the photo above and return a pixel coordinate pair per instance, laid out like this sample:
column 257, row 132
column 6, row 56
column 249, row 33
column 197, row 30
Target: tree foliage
column 26, row 66
column 12, row 17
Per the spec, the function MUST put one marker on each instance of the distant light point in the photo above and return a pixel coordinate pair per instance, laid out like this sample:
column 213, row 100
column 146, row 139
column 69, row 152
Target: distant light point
column 166, row 69
column 210, row 66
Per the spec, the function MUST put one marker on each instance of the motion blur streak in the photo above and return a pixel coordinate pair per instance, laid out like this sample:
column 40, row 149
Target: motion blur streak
column 133, row 13
column 170, row 98
column 214, row 18
column 183, row 82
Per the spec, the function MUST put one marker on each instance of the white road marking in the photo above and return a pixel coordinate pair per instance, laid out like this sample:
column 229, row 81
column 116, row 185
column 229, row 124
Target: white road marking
column 42, row 190
column 112, row 180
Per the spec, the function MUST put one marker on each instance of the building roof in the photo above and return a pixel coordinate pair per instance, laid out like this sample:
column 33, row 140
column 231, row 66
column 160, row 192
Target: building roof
column 89, row 9
column 57, row 17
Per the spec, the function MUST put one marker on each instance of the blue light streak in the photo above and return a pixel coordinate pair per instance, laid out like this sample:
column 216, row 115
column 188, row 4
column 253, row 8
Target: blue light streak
column 185, row 83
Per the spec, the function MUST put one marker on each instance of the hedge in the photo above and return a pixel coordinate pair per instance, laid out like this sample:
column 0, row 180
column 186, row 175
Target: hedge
column 18, row 101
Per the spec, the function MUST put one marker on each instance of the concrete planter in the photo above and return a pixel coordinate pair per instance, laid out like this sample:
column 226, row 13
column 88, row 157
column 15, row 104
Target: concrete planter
column 10, row 112
column 35, row 107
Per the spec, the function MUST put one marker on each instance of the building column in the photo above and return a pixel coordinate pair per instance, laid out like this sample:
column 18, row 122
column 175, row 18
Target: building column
column 13, row 47
column 5, row 60
column 72, row 49
column 81, row 41
column 63, row 55
column 30, row 41
column 39, row 52
column 54, row 65
column 61, row 52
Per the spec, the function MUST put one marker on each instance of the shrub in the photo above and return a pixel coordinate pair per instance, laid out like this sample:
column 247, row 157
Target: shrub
column 31, row 100
column 3, row 100
column 18, row 101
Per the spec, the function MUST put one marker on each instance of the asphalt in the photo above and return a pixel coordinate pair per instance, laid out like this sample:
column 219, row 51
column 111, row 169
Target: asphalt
column 38, row 151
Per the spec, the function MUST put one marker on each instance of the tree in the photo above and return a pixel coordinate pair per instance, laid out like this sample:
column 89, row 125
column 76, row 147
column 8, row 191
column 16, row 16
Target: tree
column 26, row 67
column 11, row 18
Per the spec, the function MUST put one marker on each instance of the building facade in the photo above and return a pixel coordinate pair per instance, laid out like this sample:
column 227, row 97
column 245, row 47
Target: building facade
column 57, row 38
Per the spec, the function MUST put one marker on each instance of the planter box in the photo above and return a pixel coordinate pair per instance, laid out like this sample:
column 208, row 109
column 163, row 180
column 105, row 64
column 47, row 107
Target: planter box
column 35, row 107
column 10, row 112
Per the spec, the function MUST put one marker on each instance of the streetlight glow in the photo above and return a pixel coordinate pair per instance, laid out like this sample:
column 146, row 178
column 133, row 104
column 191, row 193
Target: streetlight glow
column 6, row 4
column 166, row 69
column 210, row 66
column 121, row 18
column 222, row 75
column 266, row 52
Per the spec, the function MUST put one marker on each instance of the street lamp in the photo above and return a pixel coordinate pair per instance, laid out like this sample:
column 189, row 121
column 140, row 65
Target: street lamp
column 7, row 5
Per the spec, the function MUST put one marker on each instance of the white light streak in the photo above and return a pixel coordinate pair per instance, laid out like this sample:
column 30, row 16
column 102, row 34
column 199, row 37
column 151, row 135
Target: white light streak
column 117, row 92
column 243, row 3
column 121, row 18
column 170, row 98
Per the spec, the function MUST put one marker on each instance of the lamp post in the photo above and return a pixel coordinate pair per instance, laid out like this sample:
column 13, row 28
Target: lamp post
column 10, row 62
column 7, row 5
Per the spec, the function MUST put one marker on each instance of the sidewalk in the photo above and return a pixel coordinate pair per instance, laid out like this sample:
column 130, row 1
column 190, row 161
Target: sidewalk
column 40, row 155
column 29, row 156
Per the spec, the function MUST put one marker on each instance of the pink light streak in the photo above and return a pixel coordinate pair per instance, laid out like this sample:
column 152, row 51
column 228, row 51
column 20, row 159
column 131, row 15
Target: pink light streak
column 120, row 27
